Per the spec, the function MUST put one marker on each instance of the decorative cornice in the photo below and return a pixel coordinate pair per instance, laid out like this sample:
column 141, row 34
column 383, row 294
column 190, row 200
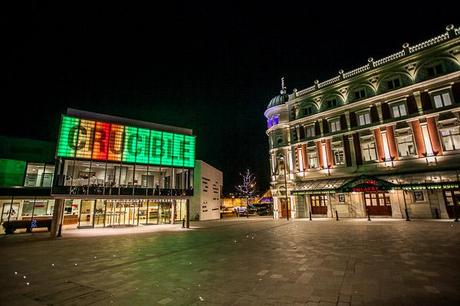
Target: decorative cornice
column 451, row 32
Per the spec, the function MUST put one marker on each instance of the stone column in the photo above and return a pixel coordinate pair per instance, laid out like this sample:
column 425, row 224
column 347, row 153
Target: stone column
column 418, row 136
column 308, row 201
column 392, row 142
column 187, row 213
column 434, row 135
column 58, row 215
column 379, row 144
column 319, row 153
column 330, row 159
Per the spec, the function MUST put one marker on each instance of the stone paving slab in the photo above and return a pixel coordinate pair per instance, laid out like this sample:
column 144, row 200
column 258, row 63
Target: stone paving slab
column 238, row 262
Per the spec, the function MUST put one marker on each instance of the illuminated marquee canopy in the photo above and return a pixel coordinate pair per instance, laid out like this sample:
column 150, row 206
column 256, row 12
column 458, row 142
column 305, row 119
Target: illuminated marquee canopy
column 88, row 139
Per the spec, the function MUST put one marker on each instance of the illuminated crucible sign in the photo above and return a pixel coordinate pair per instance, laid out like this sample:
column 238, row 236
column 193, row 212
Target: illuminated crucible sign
column 366, row 184
column 88, row 139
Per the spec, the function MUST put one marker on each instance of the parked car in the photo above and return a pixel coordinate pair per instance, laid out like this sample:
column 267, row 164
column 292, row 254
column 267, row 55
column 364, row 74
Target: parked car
column 227, row 212
column 264, row 209
column 240, row 210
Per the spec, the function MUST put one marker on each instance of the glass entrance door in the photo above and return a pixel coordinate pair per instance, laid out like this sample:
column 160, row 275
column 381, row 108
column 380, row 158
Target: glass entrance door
column 165, row 213
column 152, row 213
column 86, row 213
column 99, row 214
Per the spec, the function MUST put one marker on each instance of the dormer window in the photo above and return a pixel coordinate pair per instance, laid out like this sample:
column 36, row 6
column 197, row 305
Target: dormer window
column 360, row 94
column 332, row 103
column 308, row 110
column 394, row 83
column 435, row 70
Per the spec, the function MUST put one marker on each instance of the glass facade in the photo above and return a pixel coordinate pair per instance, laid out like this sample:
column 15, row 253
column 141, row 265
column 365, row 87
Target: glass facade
column 26, row 209
column 107, row 178
column 39, row 175
column 84, row 213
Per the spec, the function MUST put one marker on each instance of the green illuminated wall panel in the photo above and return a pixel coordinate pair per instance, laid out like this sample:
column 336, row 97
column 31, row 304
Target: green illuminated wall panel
column 155, row 147
column 178, row 150
column 189, row 151
column 129, row 152
column 88, row 139
column 68, row 137
column 12, row 172
column 143, row 146
column 166, row 149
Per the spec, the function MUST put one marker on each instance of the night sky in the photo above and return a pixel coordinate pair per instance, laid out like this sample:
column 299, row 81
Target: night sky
column 209, row 67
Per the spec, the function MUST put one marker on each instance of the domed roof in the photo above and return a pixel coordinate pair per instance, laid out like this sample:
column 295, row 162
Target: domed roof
column 278, row 100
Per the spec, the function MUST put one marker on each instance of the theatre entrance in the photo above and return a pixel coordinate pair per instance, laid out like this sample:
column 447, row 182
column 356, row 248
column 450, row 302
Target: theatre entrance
column 377, row 203
column 319, row 204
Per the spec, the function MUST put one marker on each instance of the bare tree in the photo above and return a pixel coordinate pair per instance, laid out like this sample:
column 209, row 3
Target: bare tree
column 247, row 188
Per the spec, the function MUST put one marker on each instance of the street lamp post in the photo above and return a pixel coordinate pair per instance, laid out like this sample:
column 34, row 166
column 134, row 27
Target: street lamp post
column 283, row 158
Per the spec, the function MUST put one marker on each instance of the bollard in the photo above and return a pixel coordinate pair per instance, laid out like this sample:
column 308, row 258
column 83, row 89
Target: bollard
column 309, row 214
column 183, row 223
column 368, row 215
column 436, row 213
column 336, row 216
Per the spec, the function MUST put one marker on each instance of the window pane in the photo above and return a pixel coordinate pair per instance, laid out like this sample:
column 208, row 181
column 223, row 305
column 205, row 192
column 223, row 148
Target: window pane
column 446, row 99
column 437, row 101
column 402, row 109
column 396, row 113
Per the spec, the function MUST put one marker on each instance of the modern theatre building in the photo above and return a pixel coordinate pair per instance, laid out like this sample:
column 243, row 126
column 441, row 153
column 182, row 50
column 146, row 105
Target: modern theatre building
column 382, row 139
column 108, row 171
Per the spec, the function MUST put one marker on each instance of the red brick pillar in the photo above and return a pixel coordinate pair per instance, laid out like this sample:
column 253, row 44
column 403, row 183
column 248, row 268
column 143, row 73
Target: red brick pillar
column 330, row 159
column 392, row 142
column 418, row 136
column 434, row 135
column 297, row 158
column 304, row 157
column 320, row 153
column 379, row 144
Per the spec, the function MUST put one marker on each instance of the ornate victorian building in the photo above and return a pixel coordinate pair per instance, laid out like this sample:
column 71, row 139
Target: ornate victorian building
column 382, row 139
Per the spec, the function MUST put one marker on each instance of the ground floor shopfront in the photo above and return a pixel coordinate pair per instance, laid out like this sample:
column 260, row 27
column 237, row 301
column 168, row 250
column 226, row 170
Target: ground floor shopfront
column 364, row 196
column 93, row 213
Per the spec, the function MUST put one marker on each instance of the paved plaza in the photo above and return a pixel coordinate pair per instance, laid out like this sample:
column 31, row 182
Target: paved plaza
column 238, row 262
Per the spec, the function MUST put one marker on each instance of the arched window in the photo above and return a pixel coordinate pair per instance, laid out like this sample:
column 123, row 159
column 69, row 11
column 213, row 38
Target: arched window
column 330, row 102
column 435, row 68
column 360, row 92
column 393, row 81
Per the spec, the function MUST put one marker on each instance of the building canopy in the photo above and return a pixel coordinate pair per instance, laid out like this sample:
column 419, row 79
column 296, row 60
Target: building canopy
column 366, row 183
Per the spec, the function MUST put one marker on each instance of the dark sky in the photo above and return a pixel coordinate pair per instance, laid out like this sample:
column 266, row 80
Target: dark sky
column 211, row 67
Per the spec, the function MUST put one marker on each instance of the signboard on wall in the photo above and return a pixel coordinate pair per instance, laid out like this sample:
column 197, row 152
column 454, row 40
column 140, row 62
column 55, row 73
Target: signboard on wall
column 89, row 139
column 366, row 184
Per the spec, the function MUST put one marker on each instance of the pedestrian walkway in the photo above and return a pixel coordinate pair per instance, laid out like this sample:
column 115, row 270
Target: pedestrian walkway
column 235, row 262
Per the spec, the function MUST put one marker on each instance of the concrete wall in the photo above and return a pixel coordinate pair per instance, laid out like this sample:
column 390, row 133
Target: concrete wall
column 206, row 201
